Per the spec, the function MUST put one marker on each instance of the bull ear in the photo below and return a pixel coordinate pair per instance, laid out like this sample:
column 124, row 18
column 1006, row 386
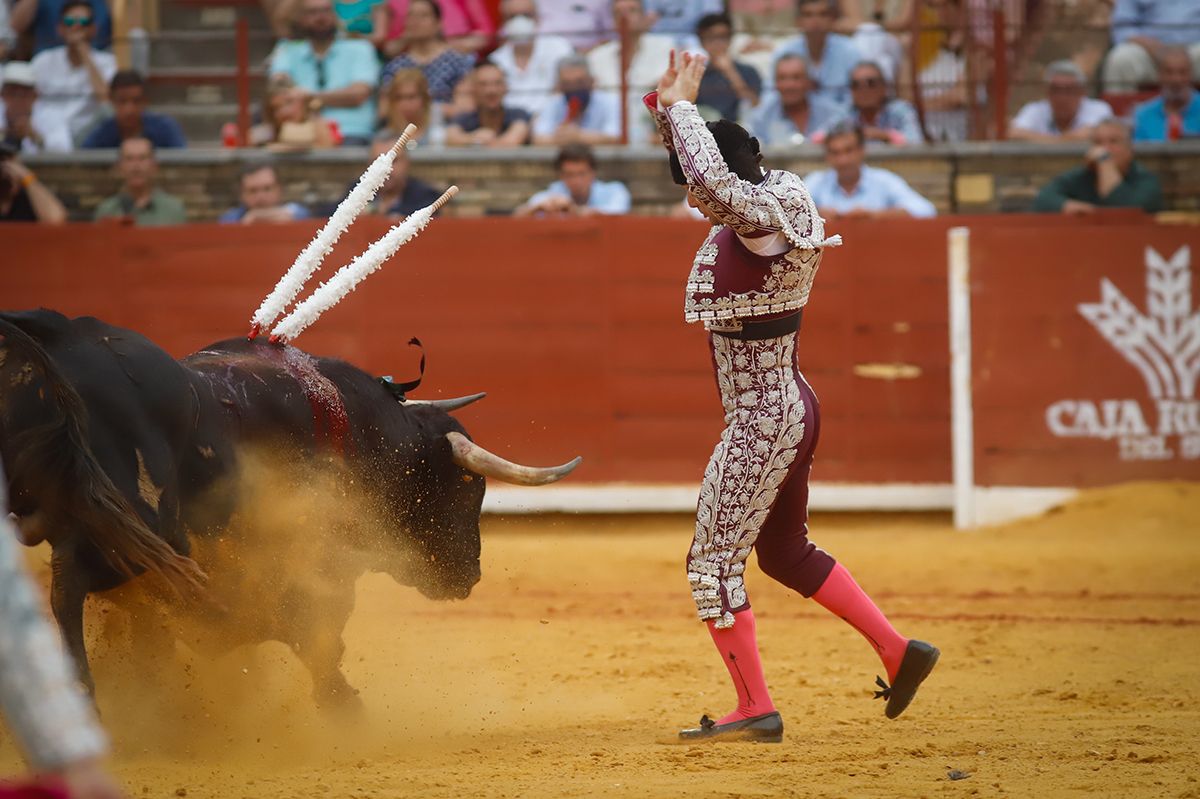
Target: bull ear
column 449, row 404
column 475, row 458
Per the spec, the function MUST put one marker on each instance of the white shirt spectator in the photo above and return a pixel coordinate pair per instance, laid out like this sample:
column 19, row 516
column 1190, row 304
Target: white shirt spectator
column 877, row 190
column 55, row 138
column 531, row 88
column 1038, row 118
column 606, row 197
column 18, row 83
column 602, row 115
column 65, row 95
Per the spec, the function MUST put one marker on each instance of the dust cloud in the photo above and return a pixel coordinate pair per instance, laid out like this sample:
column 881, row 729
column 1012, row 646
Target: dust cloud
column 225, row 675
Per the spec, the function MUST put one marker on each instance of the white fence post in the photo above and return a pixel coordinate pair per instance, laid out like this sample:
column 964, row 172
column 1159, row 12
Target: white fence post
column 962, row 433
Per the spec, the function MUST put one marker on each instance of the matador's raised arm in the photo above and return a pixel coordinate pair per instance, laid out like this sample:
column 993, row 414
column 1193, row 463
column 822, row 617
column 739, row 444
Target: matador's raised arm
column 779, row 204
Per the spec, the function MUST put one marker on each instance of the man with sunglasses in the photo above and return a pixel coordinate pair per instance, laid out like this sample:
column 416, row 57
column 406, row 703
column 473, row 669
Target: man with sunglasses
column 72, row 80
column 40, row 19
column 882, row 119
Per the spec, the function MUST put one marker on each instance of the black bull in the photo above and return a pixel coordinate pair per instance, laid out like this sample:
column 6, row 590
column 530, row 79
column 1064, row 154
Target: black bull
column 116, row 453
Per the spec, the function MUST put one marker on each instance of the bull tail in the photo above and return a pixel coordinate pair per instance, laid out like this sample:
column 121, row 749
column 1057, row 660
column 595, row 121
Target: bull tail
column 59, row 450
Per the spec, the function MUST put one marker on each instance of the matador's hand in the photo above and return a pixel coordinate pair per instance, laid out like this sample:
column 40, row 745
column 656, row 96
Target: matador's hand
column 681, row 82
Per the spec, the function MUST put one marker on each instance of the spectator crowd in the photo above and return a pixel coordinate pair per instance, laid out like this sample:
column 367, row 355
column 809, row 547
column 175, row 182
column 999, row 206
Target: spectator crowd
column 850, row 76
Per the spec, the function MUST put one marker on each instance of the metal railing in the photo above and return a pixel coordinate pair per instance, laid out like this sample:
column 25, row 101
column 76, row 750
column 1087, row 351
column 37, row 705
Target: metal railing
column 990, row 64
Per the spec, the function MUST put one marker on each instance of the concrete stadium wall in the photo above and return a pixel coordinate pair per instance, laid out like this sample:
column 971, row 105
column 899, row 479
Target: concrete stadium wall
column 574, row 328
column 962, row 178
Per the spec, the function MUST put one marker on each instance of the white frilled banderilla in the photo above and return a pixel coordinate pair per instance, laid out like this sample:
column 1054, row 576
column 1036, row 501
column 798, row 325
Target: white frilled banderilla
column 349, row 276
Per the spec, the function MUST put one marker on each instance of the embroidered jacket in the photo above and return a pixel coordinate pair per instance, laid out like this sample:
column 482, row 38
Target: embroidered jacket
column 729, row 282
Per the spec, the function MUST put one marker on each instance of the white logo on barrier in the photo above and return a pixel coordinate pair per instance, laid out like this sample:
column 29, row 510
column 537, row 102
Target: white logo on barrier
column 1164, row 346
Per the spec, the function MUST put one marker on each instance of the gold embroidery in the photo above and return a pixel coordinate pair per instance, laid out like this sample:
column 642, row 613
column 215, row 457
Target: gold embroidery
column 786, row 287
column 781, row 202
column 700, row 281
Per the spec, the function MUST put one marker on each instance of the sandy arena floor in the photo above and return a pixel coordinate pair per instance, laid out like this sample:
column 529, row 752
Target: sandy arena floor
column 1069, row 644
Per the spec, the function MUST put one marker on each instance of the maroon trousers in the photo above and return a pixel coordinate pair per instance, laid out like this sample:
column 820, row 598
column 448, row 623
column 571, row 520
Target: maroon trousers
column 784, row 552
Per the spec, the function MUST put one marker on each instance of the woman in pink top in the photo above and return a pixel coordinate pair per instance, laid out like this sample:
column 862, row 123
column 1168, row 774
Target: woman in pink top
column 467, row 25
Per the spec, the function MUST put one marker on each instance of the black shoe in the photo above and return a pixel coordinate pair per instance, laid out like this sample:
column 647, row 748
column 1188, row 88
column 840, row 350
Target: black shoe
column 767, row 728
column 919, row 660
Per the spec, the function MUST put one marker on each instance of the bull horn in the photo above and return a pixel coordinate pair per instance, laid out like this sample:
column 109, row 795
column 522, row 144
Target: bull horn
column 475, row 458
column 449, row 404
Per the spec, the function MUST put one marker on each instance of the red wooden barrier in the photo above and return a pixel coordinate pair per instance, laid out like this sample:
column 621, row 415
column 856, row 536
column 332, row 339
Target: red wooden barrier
column 574, row 328
column 1075, row 384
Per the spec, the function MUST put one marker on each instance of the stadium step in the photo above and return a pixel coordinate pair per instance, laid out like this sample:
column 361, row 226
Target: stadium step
column 201, row 123
column 201, row 86
column 176, row 16
column 205, row 48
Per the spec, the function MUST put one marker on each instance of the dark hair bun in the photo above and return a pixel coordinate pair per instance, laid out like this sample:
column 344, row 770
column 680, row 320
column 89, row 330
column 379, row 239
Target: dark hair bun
column 740, row 150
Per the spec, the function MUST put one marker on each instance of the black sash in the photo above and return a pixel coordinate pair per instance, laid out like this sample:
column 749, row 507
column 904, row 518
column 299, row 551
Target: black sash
column 758, row 331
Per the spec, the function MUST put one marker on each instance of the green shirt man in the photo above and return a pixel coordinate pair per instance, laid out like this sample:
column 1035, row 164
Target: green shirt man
column 139, row 198
column 159, row 208
column 1109, row 179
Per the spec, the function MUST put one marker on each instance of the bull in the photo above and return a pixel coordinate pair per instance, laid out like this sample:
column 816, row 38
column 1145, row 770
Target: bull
column 123, row 458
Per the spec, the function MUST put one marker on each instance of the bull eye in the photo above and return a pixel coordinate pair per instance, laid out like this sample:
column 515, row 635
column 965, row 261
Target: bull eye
column 467, row 478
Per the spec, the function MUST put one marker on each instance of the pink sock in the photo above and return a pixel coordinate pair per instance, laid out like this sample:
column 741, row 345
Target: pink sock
column 840, row 595
column 738, row 646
